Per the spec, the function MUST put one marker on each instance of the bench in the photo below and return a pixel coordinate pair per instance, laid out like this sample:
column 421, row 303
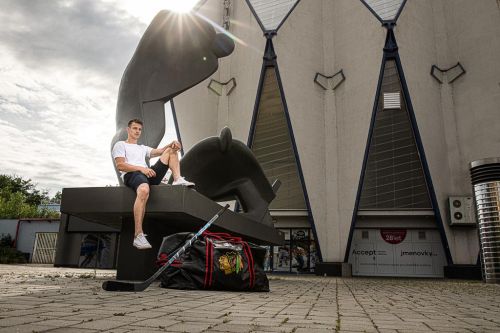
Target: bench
column 170, row 209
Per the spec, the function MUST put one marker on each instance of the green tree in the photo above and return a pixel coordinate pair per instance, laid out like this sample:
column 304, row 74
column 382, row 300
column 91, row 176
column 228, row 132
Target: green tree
column 19, row 198
column 14, row 184
column 56, row 198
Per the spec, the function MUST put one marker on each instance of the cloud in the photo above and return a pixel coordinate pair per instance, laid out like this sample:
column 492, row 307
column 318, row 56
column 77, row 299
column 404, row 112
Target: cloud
column 88, row 35
column 61, row 62
column 60, row 69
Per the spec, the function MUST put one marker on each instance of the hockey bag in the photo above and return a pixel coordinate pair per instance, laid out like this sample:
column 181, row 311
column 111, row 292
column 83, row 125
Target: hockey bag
column 216, row 261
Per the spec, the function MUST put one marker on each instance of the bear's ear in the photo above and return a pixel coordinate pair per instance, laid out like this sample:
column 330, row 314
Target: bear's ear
column 225, row 139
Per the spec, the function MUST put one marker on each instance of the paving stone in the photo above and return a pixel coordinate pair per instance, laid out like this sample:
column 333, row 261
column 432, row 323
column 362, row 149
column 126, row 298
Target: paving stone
column 26, row 328
column 268, row 321
column 147, row 314
column 83, row 316
column 156, row 322
column 104, row 324
column 190, row 327
column 234, row 328
column 72, row 330
column 118, row 330
column 14, row 321
column 314, row 330
column 136, row 329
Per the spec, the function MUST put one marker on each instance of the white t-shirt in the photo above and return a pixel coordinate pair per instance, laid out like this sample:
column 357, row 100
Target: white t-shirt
column 134, row 154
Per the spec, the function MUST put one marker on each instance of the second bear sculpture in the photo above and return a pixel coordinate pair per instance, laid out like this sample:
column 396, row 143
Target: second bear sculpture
column 225, row 169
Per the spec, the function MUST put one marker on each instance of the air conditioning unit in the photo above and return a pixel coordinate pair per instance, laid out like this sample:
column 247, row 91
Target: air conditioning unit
column 462, row 211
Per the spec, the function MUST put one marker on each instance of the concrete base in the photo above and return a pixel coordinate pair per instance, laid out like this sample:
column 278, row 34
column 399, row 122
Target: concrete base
column 136, row 264
column 333, row 269
column 465, row 272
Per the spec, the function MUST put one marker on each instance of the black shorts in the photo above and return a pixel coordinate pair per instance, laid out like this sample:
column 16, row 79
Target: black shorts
column 136, row 178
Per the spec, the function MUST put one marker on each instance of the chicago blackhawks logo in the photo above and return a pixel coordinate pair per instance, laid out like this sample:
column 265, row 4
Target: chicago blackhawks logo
column 230, row 262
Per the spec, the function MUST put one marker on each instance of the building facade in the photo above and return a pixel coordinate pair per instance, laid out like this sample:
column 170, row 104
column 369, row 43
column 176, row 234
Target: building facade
column 370, row 113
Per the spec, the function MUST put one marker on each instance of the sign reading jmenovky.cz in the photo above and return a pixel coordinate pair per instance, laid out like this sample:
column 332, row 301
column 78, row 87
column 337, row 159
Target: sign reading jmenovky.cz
column 393, row 236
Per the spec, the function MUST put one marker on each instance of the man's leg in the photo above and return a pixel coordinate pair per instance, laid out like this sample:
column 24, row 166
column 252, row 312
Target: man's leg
column 140, row 207
column 140, row 184
column 170, row 157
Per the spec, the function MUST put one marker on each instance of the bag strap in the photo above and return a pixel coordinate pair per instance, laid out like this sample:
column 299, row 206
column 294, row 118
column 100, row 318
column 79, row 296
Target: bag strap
column 251, row 268
column 223, row 236
column 208, row 263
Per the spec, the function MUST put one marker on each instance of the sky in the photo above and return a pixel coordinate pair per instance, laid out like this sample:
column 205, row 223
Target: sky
column 61, row 62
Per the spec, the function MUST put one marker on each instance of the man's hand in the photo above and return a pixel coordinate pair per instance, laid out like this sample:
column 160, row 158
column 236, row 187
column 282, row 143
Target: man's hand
column 148, row 172
column 175, row 145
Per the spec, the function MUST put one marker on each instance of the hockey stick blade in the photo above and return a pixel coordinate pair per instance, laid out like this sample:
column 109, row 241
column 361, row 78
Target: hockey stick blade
column 118, row 285
column 121, row 286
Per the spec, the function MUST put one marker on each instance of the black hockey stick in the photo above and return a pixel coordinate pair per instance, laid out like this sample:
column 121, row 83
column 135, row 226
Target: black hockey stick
column 118, row 285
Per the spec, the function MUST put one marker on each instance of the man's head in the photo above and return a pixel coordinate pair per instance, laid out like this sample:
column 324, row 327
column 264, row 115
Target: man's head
column 134, row 129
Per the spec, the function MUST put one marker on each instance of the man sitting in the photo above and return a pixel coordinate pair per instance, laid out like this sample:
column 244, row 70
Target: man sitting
column 130, row 159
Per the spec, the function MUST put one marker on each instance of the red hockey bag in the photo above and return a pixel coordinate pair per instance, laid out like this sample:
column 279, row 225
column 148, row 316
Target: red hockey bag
column 215, row 261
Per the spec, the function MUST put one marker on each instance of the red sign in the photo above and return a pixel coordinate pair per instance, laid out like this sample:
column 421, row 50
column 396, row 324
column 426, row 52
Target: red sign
column 393, row 236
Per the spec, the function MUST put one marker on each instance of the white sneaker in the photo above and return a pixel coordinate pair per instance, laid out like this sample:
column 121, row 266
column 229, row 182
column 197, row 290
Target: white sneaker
column 182, row 181
column 141, row 242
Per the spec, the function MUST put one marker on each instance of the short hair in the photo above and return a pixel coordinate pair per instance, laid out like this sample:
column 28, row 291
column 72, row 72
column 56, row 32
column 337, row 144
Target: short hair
column 137, row 121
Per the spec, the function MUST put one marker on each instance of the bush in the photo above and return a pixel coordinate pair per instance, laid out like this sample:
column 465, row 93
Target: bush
column 9, row 255
column 5, row 240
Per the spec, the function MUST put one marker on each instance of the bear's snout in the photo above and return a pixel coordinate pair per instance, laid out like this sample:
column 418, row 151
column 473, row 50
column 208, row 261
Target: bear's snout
column 223, row 45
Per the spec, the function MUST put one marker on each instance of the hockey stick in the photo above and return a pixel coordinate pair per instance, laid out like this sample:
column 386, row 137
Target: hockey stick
column 118, row 285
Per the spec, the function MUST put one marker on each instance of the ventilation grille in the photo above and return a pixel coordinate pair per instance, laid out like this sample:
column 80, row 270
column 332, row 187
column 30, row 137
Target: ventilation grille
column 392, row 100
column 272, row 146
column 394, row 177
column 45, row 248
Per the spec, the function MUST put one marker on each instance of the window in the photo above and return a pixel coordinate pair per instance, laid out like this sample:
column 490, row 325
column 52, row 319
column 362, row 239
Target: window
column 385, row 10
column 271, row 13
column 393, row 176
column 298, row 254
column 273, row 148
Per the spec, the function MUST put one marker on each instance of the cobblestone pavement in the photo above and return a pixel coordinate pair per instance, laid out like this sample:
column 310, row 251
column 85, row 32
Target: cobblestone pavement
column 47, row 299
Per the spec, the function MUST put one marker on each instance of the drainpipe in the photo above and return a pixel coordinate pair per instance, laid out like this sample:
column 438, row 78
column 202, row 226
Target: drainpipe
column 14, row 243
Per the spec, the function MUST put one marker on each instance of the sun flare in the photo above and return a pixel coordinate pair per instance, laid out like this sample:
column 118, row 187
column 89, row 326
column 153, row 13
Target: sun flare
column 180, row 6
column 145, row 10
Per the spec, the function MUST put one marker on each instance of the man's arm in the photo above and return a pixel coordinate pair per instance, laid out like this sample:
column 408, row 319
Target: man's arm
column 176, row 145
column 125, row 167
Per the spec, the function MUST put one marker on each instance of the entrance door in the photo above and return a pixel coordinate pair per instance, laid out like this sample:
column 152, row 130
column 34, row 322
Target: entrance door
column 397, row 252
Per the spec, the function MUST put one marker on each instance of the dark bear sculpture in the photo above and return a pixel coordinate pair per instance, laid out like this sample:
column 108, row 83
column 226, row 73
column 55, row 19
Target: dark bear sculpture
column 226, row 169
column 175, row 53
